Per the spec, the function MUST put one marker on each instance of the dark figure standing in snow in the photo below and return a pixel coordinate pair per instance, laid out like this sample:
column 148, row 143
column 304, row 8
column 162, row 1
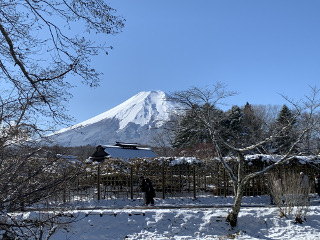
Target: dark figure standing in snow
column 150, row 193
column 143, row 188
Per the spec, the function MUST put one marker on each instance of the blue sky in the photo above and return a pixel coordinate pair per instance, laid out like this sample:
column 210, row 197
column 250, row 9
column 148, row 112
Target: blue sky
column 259, row 48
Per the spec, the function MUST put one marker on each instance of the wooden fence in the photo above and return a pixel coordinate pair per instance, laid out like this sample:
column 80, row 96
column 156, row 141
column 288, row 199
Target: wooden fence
column 117, row 179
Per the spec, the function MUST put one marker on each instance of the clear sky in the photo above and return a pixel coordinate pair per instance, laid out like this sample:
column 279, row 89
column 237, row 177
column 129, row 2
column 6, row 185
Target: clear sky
column 259, row 48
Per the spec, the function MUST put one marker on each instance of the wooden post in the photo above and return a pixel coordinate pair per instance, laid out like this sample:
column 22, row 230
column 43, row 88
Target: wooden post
column 131, row 182
column 218, row 180
column 205, row 182
column 163, row 180
column 180, row 183
column 254, row 187
column 194, row 182
column 64, row 193
column 224, row 183
column 99, row 193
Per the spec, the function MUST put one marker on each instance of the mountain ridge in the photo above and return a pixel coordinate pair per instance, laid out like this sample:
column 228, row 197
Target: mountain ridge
column 137, row 119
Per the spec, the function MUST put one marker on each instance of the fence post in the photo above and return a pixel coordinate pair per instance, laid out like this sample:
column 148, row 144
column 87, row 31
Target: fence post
column 99, row 193
column 225, row 183
column 163, row 180
column 64, row 191
column 131, row 182
column 194, row 182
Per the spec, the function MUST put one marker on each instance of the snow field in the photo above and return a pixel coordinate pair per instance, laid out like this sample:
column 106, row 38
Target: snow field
column 254, row 223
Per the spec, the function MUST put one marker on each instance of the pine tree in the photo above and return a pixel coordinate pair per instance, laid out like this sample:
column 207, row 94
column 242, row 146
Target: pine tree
column 232, row 126
column 190, row 132
column 287, row 135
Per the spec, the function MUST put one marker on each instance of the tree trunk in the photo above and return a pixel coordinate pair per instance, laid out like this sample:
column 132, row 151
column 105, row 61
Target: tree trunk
column 232, row 217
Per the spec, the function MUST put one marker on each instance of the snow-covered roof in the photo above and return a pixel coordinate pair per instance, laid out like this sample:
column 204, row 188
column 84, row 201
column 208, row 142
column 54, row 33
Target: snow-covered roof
column 127, row 151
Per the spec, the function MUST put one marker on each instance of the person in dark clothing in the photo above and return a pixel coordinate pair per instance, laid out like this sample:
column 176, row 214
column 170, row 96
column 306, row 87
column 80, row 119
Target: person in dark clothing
column 143, row 189
column 150, row 192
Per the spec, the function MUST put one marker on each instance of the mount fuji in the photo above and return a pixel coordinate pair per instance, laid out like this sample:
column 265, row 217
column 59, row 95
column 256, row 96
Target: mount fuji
column 136, row 120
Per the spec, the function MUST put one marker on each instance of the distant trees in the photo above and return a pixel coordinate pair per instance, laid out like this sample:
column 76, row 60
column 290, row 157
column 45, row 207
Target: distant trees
column 248, row 125
column 241, row 131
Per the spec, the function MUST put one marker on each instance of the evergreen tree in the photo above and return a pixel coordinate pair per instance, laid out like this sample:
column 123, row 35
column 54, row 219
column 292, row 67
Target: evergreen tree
column 190, row 132
column 237, row 174
column 232, row 126
column 285, row 125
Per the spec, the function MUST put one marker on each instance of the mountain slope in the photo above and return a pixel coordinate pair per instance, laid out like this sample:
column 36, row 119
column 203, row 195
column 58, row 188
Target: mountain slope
column 136, row 120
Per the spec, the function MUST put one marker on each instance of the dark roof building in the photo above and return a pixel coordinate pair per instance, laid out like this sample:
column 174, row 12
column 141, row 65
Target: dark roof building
column 124, row 151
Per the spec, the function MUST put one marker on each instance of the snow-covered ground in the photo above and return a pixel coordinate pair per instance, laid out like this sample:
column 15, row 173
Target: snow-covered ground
column 186, row 218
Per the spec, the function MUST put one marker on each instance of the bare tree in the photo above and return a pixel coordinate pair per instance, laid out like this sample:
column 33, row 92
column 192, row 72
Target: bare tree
column 46, row 47
column 41, row 226
column 33, row 177
column 43, row 42
column 195, row 98
column 288, row 194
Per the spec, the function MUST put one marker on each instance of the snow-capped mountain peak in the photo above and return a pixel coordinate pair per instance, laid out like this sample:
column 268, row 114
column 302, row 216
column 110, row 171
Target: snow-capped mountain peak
column 139, row 109
column 129, row 121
